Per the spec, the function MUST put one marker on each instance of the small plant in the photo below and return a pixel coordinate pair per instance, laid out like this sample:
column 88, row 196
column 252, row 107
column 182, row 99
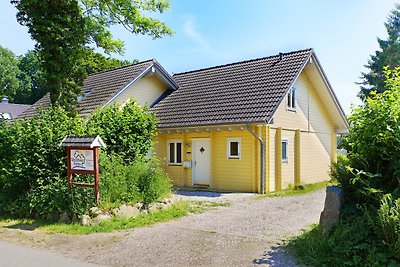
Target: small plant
column 141, row 180
column 389, row 223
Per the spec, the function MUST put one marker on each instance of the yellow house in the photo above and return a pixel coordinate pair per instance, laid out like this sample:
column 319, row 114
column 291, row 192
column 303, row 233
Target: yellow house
column 252, row 126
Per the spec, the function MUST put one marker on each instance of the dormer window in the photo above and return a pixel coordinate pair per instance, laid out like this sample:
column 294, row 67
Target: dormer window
column 291, row 99
column 6, row 116
column 83, row 96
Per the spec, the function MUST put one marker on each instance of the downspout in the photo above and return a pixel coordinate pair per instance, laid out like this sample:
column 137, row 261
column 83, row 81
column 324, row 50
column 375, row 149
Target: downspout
column 262, row 154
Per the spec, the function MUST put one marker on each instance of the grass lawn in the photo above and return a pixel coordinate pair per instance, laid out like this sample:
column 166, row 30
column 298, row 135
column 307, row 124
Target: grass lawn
column 292, row 191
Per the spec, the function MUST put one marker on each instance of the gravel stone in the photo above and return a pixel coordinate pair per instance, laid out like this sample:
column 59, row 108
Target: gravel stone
column 247, row 233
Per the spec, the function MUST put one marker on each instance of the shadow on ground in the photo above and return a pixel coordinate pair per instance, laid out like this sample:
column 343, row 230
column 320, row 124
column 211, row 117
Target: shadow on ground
column 23, row 226
column 276, row 257
column 197, row 193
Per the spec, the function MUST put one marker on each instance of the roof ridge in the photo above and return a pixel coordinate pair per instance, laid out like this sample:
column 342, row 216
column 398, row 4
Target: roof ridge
column 126, row 66
column 242, row 62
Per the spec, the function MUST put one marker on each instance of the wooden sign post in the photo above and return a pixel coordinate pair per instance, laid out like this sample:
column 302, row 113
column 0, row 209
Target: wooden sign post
column 83, row 158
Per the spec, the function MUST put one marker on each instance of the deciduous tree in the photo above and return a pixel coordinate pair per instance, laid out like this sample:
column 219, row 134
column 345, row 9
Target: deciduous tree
column 63, row 30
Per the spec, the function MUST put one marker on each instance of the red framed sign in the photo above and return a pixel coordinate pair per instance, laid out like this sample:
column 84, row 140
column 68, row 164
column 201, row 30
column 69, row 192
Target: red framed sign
column 83, row 158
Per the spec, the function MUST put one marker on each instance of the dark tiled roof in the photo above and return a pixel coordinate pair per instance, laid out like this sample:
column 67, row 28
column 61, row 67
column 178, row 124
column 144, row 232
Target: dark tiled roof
column 243, row 92
column 102, row 86
column 13, row 109
column 82, row 141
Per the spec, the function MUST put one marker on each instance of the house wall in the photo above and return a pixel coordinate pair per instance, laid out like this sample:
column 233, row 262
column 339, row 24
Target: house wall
column 145, row 91
column 226, row 174
column 317, row 137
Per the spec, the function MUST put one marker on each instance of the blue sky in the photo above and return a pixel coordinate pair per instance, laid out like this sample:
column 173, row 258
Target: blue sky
column 210, row 32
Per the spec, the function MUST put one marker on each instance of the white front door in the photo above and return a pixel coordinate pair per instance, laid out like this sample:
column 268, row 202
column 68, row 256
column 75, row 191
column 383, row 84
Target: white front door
column 201, row 161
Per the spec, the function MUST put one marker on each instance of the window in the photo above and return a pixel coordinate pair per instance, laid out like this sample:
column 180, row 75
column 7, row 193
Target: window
column 291, row 99
column 175, row 152
column 6, row 116
column 85, row 94
column 233, row 148
column 285, row 150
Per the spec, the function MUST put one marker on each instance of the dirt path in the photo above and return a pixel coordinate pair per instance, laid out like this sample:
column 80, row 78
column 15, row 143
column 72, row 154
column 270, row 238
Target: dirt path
column 247, row 233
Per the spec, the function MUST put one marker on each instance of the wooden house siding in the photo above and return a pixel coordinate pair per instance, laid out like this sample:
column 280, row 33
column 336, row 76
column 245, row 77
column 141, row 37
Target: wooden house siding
column 317, row 137
column 145, row 91
column 226, row 174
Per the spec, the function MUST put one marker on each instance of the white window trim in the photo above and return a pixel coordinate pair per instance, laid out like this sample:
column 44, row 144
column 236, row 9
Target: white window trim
column 285, row 140
column 169, row 141
column 228, row 147
column 293, row 99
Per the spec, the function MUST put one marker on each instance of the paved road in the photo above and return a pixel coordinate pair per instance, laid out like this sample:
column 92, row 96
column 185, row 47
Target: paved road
column 16, row 255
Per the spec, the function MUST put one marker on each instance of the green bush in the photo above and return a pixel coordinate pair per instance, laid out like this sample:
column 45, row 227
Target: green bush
column 33, row 178
column 373, row 167
column 127, row 130
column 141, row 180
column 351, row 242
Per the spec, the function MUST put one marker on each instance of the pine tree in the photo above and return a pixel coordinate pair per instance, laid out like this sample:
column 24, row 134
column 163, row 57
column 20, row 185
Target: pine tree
column 387, row 55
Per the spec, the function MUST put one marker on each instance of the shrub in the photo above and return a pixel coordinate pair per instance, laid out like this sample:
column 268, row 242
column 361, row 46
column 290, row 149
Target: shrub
column 141, row 180
column 33, row 175
column 373, row 144
column 127, row 130
column 351, row 242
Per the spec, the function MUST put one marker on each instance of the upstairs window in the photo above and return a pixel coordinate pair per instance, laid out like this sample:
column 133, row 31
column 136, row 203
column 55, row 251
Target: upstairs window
column 175, row 152
column 291, row 99
column 233, row 148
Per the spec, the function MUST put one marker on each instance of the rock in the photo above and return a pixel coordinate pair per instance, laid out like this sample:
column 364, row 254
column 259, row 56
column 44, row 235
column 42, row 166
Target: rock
column 102, row 217
column 152, row 209
column 64, row 218
column 74, row 218
column 333, row 203
column 85, row 220
column 139, row 205
column 126, row 211
column 94, row 212
column 163, row 206
column 144, row 212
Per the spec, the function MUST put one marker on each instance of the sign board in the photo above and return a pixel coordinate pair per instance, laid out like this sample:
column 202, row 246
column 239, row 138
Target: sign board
column 82, row 159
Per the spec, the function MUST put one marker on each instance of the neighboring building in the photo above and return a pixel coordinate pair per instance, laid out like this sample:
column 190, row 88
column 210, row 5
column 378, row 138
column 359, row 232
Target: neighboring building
column 10, row 111
column 251, row 126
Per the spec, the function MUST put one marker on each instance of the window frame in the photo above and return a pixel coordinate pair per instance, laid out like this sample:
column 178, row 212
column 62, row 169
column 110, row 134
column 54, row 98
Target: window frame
column 285, row 160
column 228, row 147
column 175, row 142
column 291, row 99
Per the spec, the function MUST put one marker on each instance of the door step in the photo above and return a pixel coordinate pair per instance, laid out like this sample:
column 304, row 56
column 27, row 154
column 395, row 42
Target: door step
column 201, row 186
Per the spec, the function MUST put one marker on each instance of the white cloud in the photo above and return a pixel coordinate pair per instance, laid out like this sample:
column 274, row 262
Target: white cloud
column 198, row 38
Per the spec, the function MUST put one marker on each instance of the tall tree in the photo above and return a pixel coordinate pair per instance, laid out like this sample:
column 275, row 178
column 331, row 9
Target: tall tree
column 32, row 85
column 387, row 55
column 63, row 30
column 8, row 73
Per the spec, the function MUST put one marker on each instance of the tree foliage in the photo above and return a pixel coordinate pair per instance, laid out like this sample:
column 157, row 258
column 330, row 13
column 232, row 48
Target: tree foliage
column 63, row 29
column 9, row 71
column 127, row 130
column 387, row 55
column 33, row 179
column 23, row 81
column 372, row 166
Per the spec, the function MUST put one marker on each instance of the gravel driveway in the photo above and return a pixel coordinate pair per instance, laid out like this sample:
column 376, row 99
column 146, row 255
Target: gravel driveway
column 247, row 233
